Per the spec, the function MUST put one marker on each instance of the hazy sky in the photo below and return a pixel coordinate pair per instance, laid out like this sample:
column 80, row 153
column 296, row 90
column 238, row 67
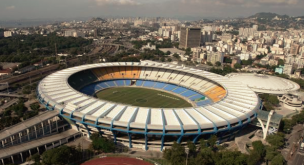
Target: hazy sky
column 32, row 9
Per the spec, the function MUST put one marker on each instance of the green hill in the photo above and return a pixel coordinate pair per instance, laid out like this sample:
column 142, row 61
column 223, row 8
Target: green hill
column 268, row 15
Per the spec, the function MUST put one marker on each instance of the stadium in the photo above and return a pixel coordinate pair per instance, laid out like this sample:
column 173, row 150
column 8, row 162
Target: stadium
column 149, row 105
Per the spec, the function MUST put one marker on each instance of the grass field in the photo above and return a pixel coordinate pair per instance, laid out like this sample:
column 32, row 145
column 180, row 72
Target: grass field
column 142, row 97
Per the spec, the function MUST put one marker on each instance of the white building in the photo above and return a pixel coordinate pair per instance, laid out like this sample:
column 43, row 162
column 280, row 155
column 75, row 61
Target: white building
column 149, row 46
column 9, row 33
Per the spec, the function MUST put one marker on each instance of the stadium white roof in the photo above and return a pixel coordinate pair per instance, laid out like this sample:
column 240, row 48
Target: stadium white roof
column 264, row 83
column 238, row 105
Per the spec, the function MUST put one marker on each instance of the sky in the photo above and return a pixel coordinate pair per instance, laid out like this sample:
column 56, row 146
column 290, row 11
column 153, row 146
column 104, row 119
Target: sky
column 52, row 9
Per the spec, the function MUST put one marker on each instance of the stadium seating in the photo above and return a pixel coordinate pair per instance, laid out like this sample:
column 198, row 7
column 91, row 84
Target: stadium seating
column 160, row 85
column 149, row 84
column 188, row 93
column 198, row 96
column 179, row 90
column 151, row 76
column 116, row 73
column 111, row 83
column 136, row 72
column 139, row 83
column 170, row 87
column 128, row 72
column 82, row 78
column 120, row 82
column 204, row 102
column 128, row 82
column 216, row 93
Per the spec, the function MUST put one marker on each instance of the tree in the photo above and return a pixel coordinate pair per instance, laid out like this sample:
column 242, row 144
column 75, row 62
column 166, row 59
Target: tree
column 253, row 158
column 227, row 157
column 205, row 157
column 218, row 63
column 168, row 52
column 259, row 148
column 35, row 106
column 169, row 59
column 102, row 144
column 209, row 63
column 276, row 140
column 237, row 66
column 176, row 56
column 60, row 156
column 212, row 141
column 281, row 62
column 273, row 100
column 192, row 147
column 278, row 160
column 162, row 59
column 271, row 152
column 176, row 154
column 188, row 51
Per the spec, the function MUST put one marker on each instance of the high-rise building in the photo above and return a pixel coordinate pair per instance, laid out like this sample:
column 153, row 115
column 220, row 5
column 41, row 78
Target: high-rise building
column 190, row 37
column 294, row 49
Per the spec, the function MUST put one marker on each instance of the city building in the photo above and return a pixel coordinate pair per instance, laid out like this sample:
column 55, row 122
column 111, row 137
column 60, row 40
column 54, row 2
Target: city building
column 294, row 49
column 190, row 37
column 9, row 33
column 214, row 57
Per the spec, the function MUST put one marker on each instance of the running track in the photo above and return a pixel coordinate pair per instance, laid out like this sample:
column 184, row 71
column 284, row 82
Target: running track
column 116, row 161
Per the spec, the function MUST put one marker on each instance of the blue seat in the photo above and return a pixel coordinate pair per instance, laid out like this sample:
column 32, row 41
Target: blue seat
column 170, row 87
column 97, row 88
column 111, row 83
column 120, row 82
column 102, row 84
column 139, row 83
column 179, row 90
column 160, row 85
column 188, row 93
column 196, row 97
column 149, row 83
column 89, row 90
column 128, row 82
column 204, row 102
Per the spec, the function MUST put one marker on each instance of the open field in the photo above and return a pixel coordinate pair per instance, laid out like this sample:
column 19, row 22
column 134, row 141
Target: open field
column 142, row 97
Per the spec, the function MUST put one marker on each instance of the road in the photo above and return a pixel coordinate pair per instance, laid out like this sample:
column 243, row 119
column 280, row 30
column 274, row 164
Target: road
column 8, row 104
column 299, row 159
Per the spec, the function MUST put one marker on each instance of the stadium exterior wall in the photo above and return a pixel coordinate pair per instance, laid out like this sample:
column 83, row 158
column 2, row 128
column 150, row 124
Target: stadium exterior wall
column 165, row 137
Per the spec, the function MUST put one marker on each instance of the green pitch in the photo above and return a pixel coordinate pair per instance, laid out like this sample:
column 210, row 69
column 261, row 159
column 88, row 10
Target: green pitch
column 142, row 97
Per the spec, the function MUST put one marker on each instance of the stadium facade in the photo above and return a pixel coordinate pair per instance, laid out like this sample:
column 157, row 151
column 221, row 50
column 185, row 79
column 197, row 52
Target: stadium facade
column 220, row 106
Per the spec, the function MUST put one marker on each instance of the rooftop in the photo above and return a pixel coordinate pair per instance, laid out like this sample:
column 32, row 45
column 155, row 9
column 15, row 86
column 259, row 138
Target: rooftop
column 264, row 83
